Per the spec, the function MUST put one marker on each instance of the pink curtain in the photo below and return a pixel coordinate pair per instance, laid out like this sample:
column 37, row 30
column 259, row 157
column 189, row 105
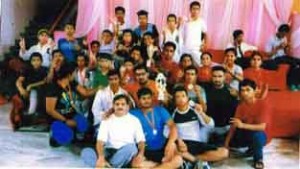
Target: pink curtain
column 258, row 18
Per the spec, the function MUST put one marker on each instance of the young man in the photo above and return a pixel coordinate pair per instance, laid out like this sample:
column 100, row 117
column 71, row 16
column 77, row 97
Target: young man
column 45, row 47
column 118, row 136
column 107, row 42
column 241, row 48
column 194, row 37
column 171, row 34
column 249, row 125
column 194, row 127
column 119, row 23
column 95, row 47
column 104, row 97
column 221, row 104
column 81, row 71
column 144, row 27
column 159, row 152
column 150, row 51
column 99, row 77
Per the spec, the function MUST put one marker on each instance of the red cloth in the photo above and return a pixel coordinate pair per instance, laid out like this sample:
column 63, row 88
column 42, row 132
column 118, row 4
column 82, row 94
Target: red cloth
column 258, row 76
column 255, row 113
column 204, row 74
column 172, row 69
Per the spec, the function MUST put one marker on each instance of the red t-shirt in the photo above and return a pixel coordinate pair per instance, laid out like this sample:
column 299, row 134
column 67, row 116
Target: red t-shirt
column 256, row 113
column 258, row 76
column 204, row 74
column 172, row 68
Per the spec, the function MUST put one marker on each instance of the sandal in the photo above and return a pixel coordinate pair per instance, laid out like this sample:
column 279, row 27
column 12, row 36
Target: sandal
column 259, row 164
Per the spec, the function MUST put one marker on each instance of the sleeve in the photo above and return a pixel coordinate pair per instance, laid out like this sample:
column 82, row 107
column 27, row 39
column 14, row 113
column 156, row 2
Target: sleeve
column 51, row 90
column 211, row 123
column 139, row 134
column 103, row 132
column 165, row 115
column 26, row 55
column 238, row 70
column 203, row 94
column 238, row 112
column 203, row 26
column 97, row 107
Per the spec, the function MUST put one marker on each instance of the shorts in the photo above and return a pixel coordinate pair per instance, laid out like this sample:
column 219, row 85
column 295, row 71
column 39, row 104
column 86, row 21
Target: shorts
column 155, row 155
column 196, row 148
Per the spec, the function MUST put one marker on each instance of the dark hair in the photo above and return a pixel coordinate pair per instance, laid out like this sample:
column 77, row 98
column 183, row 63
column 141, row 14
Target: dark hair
column 284, row 28
column 113, row 72
column 136, row 47
column 172, row 44
column 70, row 24
column 131, row 33
column 230, row 50
column 206, row 53
column 171, row 16
column 119, row 8
column 144, row 91
column 128, row 59
column 104, row 56
column 247, row 82
column 142, row 12
column 36, row 54
column 195, row 3
column 121, row 96
column 218, row 68
column 64, row 72
column 186, row 55
column 81, row 54
column 256, row 53
column 179, row 88
column 107, row 31
column 140, row 66
column 56, row 51
column 192, row 67
column 95, row 42
column 149, row 34
column 237, row 33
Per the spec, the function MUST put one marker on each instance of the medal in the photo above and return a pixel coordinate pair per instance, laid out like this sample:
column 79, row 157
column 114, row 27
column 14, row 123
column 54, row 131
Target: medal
column 154, row 131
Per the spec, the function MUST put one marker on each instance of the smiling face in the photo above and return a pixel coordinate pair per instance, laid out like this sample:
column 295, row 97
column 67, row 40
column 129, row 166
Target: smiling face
column 168, row 52
column 142, row 76
column 230, row 58
column 206, row 60
column 120, row 107
column 256, row 61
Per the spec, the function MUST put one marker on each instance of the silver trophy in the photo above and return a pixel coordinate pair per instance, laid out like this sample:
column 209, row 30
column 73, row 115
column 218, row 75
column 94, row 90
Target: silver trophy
column 161, row 84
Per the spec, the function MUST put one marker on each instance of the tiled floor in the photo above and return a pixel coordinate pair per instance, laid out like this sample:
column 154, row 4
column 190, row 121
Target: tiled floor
column 20, row 149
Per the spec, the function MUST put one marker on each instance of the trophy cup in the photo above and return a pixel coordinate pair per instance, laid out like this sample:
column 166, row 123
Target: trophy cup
column 161, row 84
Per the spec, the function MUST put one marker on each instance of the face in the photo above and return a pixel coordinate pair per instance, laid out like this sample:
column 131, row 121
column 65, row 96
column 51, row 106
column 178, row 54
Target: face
column 106, row 37
column 148, row 40
column 168, row 52
column 114, row 81
column 230, row 57
column 69, row 30
column 120, row 107
column 143, row 20
column 95, row 48
column 58, row 58
column 195, row 10
column 240, row 38
column 206, row 60
column 120, row 15
column 190, row 76
column 141, row 76
column 104, row 63
column 136, row 55
column 218, row 78
column 128, row 66
column 43, row 38
column 181, row 99
column 171, row 22
column 81, row 61
column 256, row 61
column 247, row 93
column 127, row 37
column 186, row 61
column 145, row 101
column 36, row 62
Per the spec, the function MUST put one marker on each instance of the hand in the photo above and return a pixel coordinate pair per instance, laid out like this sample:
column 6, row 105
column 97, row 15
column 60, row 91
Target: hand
column 236, row 123
column 137, row 160
column 233, row 92
column 22, row 44
column 71, row 123
column 101, row 162
column 182, row 146
column 52, row 44
column 180, row 21
column 24, row 93
column 199, row 108
column 169, row 151
column 28, row 88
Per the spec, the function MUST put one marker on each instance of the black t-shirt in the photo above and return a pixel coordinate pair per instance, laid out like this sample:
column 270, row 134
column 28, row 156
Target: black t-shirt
column 63, row 104
column 186, row 117
column 221, row 105
column 34, row 75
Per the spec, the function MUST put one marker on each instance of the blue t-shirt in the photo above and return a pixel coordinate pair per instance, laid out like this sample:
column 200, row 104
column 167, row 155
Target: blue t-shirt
column 68, row 49
column 161, row 116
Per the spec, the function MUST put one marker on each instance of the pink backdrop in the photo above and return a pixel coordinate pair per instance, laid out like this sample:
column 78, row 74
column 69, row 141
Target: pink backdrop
column 258, row 18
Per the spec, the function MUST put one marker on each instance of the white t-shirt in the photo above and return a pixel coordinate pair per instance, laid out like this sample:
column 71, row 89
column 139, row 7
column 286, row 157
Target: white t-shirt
column 176, row 38
column 192, row 34
column 234, row 82
column 244, row 47
column 273, row 43
column 117, row 132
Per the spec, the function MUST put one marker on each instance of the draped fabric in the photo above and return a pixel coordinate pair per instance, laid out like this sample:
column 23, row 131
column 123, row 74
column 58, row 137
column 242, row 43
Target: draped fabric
column 258, row 18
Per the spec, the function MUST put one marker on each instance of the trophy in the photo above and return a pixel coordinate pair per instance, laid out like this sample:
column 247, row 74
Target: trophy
column 161, row 84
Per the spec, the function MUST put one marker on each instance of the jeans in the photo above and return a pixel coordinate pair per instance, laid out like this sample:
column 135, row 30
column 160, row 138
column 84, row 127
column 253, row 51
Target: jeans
column 255, row 140
column 122, row 157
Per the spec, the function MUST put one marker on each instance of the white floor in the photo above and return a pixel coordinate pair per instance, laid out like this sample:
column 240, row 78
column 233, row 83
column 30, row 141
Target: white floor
column 20, row 149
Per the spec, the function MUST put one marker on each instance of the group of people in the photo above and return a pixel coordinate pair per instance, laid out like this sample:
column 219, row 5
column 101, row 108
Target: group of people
column 153, row 99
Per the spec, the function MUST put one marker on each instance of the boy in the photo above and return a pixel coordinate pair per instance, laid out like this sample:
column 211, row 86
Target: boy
column 107, row 42
column 249, row 125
